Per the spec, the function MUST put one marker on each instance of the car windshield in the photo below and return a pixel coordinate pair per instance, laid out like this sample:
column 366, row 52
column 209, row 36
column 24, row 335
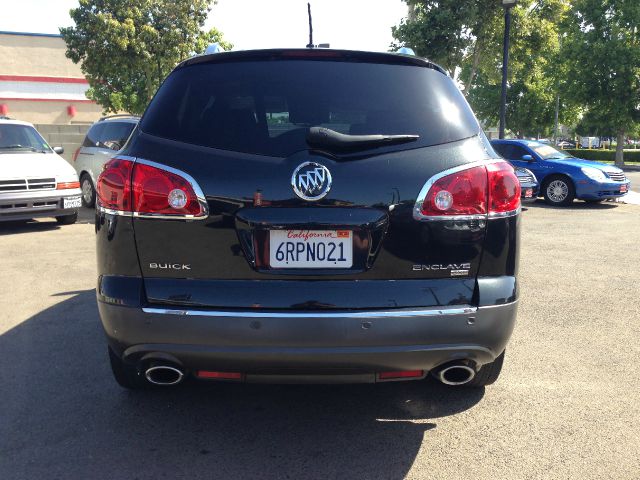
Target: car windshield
column 547, row 152
column 21, row 138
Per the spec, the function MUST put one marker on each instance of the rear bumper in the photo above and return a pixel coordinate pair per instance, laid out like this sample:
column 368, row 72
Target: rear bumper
column 33, row 204
column 309, row 343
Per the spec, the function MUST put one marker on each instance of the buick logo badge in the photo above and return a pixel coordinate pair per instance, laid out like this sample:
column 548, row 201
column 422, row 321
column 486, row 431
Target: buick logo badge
column 311, row 181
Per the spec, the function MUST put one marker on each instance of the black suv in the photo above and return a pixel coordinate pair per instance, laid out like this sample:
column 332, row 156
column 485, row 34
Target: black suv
column 307, row 216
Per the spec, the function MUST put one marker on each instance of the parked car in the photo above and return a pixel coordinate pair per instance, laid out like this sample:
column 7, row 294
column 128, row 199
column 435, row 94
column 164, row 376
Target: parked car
column 104, row 138
column 368, row 235
column 529, row 185
column 563, row 177
column 35, row 181
column 562, row 144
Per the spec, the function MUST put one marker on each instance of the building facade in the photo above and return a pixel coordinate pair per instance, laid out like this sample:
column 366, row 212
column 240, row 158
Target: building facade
column 39, row 84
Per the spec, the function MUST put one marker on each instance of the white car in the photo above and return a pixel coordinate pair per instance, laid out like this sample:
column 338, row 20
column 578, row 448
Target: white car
column 35, row 181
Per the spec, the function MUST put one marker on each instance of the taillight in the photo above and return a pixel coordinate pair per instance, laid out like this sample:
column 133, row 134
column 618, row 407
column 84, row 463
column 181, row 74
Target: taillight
column 504, row 188
column 114, row 185
column 470, row 191
column 67, row 185
column 147, row 189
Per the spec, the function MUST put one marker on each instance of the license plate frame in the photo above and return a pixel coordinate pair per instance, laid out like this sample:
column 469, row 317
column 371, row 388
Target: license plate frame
column 71, row 202
column 303, row 249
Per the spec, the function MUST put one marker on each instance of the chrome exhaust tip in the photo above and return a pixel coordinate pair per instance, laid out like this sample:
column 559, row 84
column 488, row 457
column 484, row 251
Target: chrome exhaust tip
column 457, row 374
column 164, row 375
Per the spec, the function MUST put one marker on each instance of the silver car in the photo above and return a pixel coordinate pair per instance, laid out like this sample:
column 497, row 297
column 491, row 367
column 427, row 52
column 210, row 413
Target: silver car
column 103, row 140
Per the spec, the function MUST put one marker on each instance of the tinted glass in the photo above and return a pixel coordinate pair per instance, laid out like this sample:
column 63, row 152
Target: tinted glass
column 93, row 135
column 510, row 151
column 16, row 138
column 115, row 134
column 267, row 107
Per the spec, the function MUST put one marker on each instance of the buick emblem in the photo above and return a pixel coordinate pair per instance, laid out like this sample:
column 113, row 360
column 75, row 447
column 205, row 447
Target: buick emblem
column 311, row 181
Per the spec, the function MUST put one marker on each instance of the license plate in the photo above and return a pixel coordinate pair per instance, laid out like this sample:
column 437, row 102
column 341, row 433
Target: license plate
column 528, row 193
column 310, row 248
column 623, row 188
column 72, row 202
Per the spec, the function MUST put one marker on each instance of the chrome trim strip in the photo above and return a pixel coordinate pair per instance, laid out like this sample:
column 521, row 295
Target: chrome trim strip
column 511, row 213
column 368, row 314
column 196, row 188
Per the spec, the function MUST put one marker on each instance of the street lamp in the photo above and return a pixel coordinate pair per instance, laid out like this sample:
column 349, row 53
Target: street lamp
column 507, row 4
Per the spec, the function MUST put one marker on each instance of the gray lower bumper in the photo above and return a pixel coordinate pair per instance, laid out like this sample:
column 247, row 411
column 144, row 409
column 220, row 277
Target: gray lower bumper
column 307, row 342
column 27, row 205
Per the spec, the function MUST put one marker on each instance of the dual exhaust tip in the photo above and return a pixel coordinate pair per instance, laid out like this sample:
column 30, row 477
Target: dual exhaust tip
column 457, row 373
column 164, row 375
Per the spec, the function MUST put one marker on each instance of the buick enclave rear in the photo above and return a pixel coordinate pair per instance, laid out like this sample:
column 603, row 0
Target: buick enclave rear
column 307, row 216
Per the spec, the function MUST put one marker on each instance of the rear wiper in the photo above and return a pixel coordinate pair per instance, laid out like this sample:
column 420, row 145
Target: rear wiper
column 327, row 138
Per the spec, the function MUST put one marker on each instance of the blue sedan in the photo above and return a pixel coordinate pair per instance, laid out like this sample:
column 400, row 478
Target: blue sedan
column 561, row 176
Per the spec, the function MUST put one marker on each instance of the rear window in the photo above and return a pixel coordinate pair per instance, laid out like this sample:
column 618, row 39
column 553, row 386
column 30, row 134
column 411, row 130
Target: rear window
column 267, row 107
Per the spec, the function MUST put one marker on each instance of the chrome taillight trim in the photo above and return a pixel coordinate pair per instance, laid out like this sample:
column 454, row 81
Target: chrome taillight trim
column 417, row 208
column 202, row 201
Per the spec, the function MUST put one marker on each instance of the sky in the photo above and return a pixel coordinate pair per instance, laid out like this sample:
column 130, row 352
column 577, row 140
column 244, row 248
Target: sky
column 353, row 24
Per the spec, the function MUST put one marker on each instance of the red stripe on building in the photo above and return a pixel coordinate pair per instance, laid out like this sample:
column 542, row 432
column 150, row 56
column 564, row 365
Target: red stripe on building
column 29, row 78
column 67, row 100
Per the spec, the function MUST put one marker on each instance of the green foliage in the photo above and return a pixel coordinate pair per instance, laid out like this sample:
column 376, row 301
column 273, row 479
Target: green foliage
column 603, row 155
column 603, row 60
column 466, row 38
column 127, row 47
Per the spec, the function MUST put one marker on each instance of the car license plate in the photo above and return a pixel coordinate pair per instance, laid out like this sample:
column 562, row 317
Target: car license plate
column 528, row 193
column 623, row 188
column 72, row 202
column 310, row 248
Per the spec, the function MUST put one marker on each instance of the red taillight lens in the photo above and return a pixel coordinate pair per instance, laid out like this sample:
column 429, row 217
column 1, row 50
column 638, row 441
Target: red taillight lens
column 401, row 374
column 67, row 185
column 146, row 189
column 488, row 188
column 504, row 188
column 161, row 192
column 114, row 185
column 219, row 375
column 460, row 193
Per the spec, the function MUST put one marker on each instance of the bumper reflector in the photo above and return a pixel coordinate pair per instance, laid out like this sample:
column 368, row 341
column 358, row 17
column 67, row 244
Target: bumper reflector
column 403, row 374
column 219, row 375
column 67, row 185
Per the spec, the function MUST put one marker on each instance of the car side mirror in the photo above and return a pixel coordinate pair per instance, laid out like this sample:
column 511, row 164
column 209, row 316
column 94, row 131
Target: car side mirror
column 527, row 158
column 58, row 150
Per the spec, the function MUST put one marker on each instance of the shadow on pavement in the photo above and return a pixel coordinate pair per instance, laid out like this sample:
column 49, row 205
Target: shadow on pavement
column 12, row 227
column 576, row 205
column 63, row 416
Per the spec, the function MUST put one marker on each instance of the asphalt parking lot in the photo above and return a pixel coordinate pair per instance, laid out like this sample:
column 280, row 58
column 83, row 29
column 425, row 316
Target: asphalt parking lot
column 566, row 406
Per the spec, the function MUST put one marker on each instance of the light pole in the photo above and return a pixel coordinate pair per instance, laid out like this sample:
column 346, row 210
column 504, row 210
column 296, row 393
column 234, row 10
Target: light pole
column 507, row 4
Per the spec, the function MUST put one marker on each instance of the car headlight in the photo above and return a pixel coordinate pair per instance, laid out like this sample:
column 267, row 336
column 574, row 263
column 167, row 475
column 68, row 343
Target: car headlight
column 594, row 174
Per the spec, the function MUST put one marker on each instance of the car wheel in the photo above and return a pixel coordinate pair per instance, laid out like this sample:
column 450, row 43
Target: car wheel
column 88, row 192
column 559, row 191
column 67, row 219
column 488, row 373
column 127, row 376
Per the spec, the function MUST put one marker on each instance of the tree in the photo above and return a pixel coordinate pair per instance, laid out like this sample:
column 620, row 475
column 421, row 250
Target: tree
column 603, row 47
column 466, row 39
column 127, row 47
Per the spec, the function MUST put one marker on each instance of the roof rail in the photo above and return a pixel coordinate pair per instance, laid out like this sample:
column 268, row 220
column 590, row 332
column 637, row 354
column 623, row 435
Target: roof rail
column 119, row 115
